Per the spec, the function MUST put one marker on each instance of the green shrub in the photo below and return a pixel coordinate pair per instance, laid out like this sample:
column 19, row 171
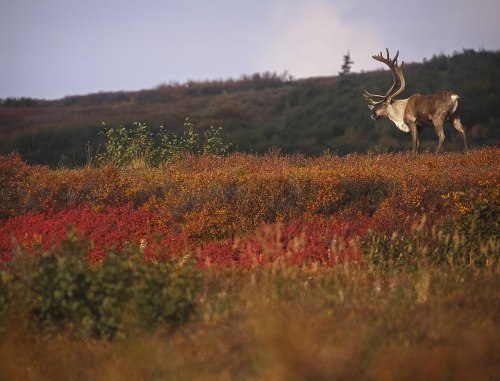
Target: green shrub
column 472, row 241
column 384, row 253
column 60, row 289
column 137, row 146
column 459, row 244
column 128, row 146
column 51, row 288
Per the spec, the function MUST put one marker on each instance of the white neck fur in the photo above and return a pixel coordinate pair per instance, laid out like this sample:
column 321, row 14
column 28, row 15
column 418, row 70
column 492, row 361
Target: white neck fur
column 396, row 112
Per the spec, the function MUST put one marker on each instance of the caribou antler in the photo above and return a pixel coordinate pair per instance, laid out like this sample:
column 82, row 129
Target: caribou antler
column 397, row 73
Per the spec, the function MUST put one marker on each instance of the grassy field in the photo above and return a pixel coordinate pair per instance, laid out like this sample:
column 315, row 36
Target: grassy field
column 362, row 267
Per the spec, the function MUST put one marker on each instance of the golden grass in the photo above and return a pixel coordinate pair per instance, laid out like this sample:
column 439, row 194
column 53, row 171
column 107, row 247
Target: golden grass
column 295, row 324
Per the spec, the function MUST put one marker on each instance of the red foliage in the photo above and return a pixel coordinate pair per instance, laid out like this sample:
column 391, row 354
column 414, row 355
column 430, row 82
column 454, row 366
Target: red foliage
column 111, row 228
column 310, row 240
column 276, row 209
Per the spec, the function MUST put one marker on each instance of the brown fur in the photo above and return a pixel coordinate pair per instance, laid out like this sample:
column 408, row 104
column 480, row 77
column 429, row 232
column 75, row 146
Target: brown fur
column 424, row 111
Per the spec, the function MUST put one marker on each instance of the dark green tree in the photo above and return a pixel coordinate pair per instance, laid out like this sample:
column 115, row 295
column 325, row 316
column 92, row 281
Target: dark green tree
column 346, row 66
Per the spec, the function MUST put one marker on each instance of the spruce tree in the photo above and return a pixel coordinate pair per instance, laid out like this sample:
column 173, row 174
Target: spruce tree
column 346, row 66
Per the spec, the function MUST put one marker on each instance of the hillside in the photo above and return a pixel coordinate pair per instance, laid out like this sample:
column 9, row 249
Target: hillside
column 260, row 112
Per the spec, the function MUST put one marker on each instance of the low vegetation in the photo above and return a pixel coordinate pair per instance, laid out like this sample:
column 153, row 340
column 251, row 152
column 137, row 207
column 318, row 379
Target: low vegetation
column 139, row 146
column 245, row 267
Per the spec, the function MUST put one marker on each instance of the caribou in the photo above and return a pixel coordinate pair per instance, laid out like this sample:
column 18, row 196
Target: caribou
column 417, row 112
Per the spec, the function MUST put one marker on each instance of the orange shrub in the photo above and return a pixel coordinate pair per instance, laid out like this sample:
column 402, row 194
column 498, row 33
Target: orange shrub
column 214, row 197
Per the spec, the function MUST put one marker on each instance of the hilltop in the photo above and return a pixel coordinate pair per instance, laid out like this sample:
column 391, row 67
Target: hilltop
column 261, row 111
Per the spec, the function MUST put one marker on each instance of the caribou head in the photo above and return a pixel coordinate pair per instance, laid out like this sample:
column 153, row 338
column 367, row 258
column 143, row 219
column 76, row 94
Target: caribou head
column 416, row 112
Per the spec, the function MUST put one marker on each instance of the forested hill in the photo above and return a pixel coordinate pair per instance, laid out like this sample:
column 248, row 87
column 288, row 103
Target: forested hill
column 261, row 111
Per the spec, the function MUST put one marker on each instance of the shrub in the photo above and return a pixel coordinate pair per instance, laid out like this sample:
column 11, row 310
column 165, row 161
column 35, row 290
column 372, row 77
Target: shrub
column 127, row 146
column 108, row 228
column 136, row 146
column 60, row 289
column 458, row 244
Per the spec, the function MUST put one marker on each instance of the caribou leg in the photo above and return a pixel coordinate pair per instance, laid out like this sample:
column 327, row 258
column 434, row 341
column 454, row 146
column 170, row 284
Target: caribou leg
column 414, row 136
column 438, row 125
column 460, row 128
column 419, row 137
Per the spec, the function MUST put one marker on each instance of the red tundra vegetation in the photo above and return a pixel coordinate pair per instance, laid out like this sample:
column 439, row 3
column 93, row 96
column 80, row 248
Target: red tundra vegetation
column 244, row 267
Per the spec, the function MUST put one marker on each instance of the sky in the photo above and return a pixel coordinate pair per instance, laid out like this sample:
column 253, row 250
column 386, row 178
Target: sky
column 54, row 48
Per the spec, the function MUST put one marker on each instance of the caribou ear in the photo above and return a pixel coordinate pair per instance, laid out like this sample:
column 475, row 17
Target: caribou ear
column 389, row 100
column 371, row 107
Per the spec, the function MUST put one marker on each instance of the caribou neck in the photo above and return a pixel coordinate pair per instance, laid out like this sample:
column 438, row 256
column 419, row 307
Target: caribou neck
column 396, row 113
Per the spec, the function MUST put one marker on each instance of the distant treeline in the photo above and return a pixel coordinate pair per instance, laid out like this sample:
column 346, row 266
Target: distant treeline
column 261, row 111
column 20, row 102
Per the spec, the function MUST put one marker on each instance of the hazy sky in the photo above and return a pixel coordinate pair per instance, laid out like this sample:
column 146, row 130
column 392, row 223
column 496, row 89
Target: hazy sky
column 53, row 48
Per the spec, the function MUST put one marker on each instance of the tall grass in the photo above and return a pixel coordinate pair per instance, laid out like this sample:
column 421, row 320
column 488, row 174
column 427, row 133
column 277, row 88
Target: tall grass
column 293, row 324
